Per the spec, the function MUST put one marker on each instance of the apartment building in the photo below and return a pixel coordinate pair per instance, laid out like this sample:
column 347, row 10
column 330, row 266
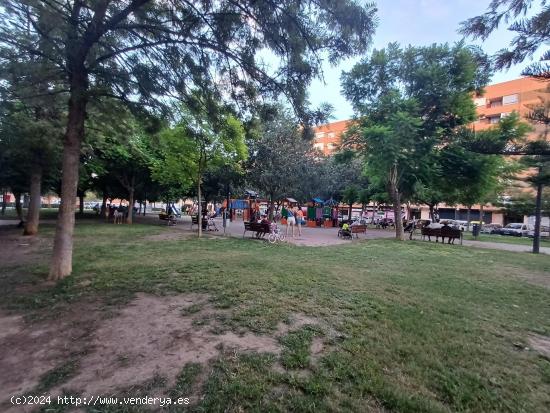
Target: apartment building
column 328, row 137
column 501, row 99
column 498, row 101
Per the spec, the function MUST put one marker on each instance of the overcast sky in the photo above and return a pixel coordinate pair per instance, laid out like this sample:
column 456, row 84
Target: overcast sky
column 419, row 23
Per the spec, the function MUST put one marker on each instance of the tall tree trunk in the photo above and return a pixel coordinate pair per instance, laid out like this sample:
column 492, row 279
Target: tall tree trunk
column 18, row 208
column 33, row 214
column 81, row 203
column 481, row 213
column 349, row 212
column 432, row 214
column 468, row 217
column 4, row 202
column 271, row 207
column 129, row 218
column 144, row 206
column 538, row 215
column 396, row 199
column 62, row 258
column 103, row 209
column 199, row 210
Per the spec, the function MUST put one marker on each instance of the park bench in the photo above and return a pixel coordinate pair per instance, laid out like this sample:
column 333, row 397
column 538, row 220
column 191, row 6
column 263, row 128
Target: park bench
column 358, row 229
column 443, row 232
column 170, row 219
column 194, row 220
column 258, row 228
column 451, row 233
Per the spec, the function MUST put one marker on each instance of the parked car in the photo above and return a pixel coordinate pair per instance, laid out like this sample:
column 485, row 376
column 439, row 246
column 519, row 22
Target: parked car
column 544, row 232
column 491, row 229
column 360, row 221
column 516, row 229
column 454, row 223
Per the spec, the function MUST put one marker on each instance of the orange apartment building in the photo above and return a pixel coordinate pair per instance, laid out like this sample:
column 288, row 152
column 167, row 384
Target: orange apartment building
column 498, row 101
column 328, row 137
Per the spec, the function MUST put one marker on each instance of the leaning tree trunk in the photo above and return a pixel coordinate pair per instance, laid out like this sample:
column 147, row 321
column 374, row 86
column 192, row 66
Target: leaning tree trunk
column 33, row 214
column 18, row 208
column 62, row 259
column 538, row 214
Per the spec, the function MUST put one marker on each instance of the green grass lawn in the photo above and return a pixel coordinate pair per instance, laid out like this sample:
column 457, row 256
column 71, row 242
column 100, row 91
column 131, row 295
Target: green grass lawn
column 506, row 239
column 421, row 326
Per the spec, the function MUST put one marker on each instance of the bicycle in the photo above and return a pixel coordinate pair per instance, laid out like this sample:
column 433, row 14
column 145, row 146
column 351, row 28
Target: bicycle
column 276, row 235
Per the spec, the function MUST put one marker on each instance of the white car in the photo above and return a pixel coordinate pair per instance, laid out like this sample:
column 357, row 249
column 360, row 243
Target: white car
column 544, row 232
column 517, row 229
column 454, row 223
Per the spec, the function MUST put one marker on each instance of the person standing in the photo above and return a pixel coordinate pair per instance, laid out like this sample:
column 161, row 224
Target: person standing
column 299, row 220
column 290, row 221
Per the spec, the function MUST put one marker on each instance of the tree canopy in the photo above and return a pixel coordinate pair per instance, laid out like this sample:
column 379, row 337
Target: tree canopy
column 410, row 102
column 532, row 33
column 150, row 51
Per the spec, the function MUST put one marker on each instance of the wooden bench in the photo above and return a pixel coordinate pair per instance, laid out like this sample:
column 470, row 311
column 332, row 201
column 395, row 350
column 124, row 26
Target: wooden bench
column 451, row 233
column 443, row 232
column 170, row 219
column 358, row 229
column 258, row 228
column 194, row 220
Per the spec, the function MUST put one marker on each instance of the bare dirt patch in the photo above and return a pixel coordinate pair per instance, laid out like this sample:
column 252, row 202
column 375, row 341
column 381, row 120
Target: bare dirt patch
column 152, row 336
column 16, row 248
column 30, row 350
column 541, row 344
column 295, row 322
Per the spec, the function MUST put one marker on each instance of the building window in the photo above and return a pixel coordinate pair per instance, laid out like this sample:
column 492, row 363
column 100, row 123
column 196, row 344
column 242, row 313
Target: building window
column 510, row 99
column 503, row 115
column 319, row 146
column 480, row 101
column 495, row 103
column 320, row 134
column 331, row 135
column 494, row 119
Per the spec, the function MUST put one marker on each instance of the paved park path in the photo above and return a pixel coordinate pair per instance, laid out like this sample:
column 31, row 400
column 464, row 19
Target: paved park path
column 503, row 246
column 313, row 237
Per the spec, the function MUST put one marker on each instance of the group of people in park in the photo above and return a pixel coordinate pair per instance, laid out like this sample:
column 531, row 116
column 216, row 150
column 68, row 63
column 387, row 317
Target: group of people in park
column 294, row 220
